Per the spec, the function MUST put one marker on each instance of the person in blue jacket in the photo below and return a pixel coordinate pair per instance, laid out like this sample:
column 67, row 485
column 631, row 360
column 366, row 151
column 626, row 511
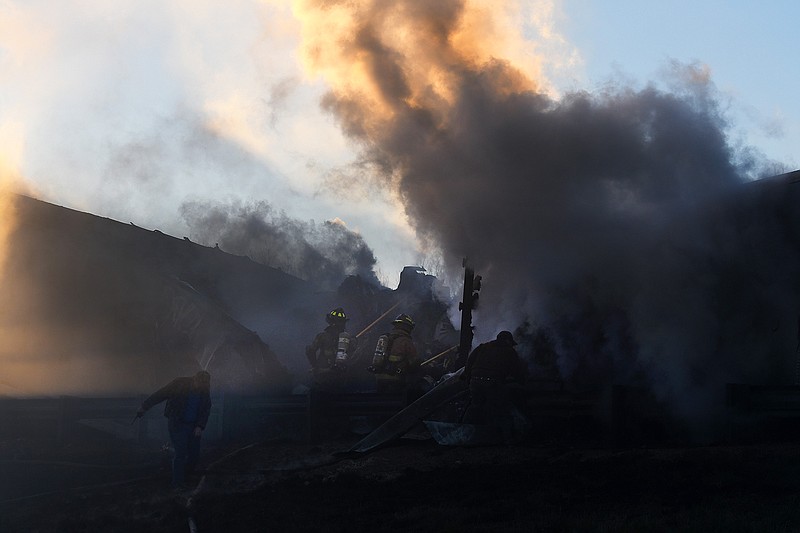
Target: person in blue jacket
column 187, row 409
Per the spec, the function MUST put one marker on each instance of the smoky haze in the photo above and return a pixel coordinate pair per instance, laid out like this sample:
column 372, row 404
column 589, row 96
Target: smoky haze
column 325, row 253
column 95, row 306
column 616, row 225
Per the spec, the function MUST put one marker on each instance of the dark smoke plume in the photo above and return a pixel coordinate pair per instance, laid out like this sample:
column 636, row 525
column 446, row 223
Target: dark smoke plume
column 619, row 224
column 324, row 253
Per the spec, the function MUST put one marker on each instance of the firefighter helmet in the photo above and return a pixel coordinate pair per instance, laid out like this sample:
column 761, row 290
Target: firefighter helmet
column 337, row 316
column 404, row 320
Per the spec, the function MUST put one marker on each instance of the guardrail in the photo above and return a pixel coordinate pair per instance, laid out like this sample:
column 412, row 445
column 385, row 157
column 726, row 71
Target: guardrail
column 763, row 399
column 762, row 412
column 754, row 412
column 232, row 416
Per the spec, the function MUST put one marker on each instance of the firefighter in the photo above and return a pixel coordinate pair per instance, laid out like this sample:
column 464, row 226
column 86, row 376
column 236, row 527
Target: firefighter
column 395, row 362
column 489, row 368
column 329, row 351
column 187, row 409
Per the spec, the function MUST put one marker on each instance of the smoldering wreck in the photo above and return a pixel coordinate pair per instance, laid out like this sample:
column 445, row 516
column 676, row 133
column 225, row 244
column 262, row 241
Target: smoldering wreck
column 103, row 308
column 106, row 310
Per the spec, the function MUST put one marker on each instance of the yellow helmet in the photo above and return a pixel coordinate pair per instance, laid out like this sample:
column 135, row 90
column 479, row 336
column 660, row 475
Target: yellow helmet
column 404, row 320
column 336, row 316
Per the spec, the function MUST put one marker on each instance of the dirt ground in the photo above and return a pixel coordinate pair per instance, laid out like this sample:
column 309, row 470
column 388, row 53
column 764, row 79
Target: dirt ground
column 418, row 485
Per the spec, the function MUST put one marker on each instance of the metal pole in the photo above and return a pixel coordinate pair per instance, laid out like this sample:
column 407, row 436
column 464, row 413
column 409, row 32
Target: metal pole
column 465, row 341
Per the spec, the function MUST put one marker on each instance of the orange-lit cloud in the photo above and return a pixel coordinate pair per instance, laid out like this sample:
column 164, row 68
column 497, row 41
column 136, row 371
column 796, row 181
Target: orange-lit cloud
column 389, row 56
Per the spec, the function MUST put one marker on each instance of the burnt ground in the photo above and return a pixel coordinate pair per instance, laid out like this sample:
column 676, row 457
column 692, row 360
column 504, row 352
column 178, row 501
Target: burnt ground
column 417, row 485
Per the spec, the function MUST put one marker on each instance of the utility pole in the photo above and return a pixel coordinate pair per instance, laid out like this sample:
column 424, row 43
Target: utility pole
column 472, row 284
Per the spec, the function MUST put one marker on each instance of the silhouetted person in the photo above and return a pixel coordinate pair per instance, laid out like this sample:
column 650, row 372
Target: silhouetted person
column 187, row 409
column 489, row 367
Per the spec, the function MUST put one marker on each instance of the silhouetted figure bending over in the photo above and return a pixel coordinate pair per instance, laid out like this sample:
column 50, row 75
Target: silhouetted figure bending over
column 489, row 367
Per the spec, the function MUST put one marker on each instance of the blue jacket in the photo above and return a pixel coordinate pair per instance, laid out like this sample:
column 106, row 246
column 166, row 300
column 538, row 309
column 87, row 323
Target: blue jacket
column 176, row 394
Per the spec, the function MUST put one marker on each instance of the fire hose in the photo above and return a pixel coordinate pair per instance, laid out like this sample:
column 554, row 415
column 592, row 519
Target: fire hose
column 437, row 356
column 366, row 329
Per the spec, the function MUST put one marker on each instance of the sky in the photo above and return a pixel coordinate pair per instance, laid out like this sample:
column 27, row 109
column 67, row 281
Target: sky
column 747, row 48
column 132, row 109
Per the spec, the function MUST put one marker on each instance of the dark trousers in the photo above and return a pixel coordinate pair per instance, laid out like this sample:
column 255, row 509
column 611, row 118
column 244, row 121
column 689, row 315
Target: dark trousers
column 390, row 385
column 490, row 404
column 393, row 385
column 186, row 447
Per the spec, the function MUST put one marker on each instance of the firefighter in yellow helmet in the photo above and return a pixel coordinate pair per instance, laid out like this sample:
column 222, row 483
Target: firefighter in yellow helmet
column 329, row 351
column 395, row 361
